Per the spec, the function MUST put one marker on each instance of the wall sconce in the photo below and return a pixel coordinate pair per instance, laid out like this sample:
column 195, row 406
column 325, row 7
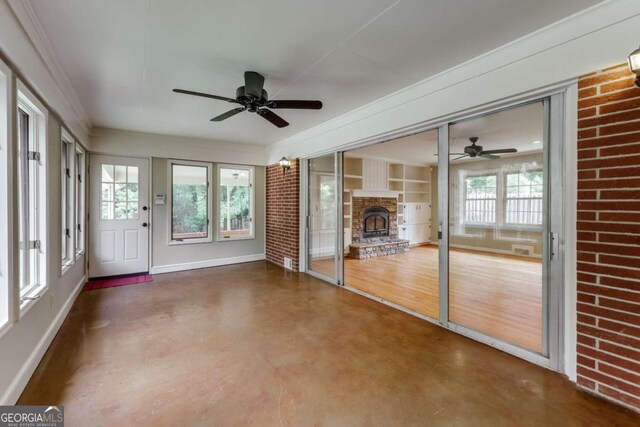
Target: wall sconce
column 634, row 64
column 285, row 163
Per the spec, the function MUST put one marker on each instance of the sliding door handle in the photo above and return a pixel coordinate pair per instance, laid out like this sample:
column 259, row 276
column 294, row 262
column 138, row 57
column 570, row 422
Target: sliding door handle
column 553, row 246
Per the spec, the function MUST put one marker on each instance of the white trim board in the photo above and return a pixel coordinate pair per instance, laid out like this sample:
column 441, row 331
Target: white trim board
column 15, row 389
column 160, row 269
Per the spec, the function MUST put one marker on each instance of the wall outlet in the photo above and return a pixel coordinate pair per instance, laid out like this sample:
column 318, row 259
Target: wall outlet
column 288, row 264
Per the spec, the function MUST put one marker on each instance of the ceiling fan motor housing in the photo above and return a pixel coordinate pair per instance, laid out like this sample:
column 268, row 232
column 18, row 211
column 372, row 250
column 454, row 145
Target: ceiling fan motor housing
column 250, row 101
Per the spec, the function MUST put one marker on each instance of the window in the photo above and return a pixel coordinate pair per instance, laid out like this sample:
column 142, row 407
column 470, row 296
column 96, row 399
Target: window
column 524, row 198
column 67, row 199
column 119, row 197
column 79, row 167
column 5, row 192
column 190, row 199
column 31, row 198
column 480, row 199
column 235, row 202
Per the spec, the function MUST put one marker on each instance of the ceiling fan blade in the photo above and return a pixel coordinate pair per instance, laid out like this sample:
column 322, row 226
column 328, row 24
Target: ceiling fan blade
column 253, row 84
column 273, row 117
column 500, row 151
column 488, row 156
column 205, row 95
column 458, row 158
column 454, row 154
column 228, row 114
column 299, row 105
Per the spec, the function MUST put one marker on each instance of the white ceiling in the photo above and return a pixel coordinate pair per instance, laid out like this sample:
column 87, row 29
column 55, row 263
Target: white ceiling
column 515, row 128
column 123, row 57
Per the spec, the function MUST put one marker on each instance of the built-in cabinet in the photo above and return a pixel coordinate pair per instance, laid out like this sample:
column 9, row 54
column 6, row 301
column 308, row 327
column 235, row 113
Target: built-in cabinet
column 411, row 183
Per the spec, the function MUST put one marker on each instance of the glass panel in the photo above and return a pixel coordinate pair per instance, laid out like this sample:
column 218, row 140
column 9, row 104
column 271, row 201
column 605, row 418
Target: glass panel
column 189, row 202
column 107, row 173
column 132, row 174
column 132, row 210
column 323, row 214
column 121, row 174
column 106, row 211
column 132, row 192
column 120, row 210
column 120, row 194
column 235, row 203
column 398, row 265
column 496, row 226
column 107, row 192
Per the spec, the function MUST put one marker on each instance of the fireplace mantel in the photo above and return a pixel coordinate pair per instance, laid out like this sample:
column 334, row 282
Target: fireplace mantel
column 375, row 193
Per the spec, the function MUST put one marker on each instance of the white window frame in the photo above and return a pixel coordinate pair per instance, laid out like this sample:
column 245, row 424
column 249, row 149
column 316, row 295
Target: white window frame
column 463, row 206
column 507, row 198
column 67, row 199
column 210, row 217
column 38, row 114
column 80, row 199
column 252, row 205
column 6, row 191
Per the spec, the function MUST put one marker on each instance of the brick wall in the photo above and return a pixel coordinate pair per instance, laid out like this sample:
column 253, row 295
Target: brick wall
column 283, row 214
column 609, row 235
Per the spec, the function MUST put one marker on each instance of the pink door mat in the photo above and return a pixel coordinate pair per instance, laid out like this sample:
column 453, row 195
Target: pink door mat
column 117, row 281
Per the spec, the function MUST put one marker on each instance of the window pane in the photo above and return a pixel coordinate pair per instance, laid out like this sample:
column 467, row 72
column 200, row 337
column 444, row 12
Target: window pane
column 189, row 202
column 235, row 203
column 132, row 174
column 120, row 194
column 107, row 210
column 132, row 210
column 121, row 173
column 132, row 192
column 120, row 209
column 107, row 192
column 107, row 173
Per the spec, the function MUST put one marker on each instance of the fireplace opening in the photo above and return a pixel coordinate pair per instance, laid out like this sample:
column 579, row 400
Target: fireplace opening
column 376, row 222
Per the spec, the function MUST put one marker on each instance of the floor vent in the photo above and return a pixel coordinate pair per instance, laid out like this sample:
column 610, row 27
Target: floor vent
column 522, row 250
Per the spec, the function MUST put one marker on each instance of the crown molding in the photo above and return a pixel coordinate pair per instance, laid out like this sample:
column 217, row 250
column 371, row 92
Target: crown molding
column 35, row 32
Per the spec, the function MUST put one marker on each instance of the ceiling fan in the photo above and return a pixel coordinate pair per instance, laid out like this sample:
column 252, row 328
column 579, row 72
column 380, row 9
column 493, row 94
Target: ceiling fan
column 253, row 98
column 474, row 150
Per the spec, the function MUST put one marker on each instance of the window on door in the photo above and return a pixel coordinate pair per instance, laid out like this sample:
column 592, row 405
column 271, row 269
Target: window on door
column 235, row 202
column 119, row 197
column 31, row 198
column 190, row 202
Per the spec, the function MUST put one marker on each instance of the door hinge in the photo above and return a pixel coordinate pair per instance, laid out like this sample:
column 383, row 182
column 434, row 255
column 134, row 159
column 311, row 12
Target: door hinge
column 33, row 155
column 68, row 172
column 35, row 244
column 80, row 178
column 79, row 228
column 553, row 245
column 68, row 233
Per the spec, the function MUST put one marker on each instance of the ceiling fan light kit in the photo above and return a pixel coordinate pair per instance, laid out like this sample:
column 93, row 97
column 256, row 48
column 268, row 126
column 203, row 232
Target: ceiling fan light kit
column 254, row 98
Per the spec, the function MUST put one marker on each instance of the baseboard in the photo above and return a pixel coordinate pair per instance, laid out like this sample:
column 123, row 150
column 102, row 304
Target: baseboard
column 12, row 394
column 159, row 269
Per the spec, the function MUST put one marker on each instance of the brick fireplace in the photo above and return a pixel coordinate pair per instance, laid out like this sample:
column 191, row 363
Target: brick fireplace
column 375, row 228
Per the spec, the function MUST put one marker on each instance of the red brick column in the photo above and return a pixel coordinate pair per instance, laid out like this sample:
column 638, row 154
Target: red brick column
column 283, row 214
column 609, row 235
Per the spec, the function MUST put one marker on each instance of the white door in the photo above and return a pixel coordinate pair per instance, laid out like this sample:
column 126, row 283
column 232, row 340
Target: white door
column 119, row 216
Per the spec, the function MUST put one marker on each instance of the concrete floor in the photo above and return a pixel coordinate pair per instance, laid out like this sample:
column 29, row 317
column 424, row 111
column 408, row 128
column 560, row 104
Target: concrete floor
column 252, row 344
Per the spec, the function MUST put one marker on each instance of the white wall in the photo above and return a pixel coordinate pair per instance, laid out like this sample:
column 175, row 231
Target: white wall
column 24, row 344
column 125, row 143
column 594, row 39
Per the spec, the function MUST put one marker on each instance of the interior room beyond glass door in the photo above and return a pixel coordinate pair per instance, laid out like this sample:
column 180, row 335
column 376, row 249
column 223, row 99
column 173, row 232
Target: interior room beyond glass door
column 497, row 226
column 322, row 216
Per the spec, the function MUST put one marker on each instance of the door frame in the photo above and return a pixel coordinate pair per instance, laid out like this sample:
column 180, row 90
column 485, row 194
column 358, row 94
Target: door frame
column 553, row 300
column 89, row 214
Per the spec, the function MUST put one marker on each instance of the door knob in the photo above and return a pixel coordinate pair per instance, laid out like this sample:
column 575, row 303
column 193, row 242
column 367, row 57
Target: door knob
column 144, row 224
column 144, row 208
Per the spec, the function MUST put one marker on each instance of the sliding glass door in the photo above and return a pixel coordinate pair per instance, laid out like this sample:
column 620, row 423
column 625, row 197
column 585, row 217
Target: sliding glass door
column 498, row 218
column 461, row 224
column 322, row 217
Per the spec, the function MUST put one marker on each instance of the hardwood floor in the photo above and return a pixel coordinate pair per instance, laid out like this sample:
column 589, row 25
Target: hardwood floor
column 498, row 295
column 254, row 344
